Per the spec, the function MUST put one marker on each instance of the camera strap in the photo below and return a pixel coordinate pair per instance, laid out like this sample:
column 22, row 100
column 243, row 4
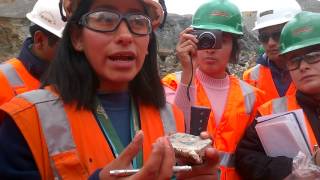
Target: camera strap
column 111, row 134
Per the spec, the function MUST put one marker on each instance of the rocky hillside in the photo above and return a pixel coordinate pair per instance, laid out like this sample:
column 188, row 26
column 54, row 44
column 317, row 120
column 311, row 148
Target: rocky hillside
column 12, row 33
column 14, row 29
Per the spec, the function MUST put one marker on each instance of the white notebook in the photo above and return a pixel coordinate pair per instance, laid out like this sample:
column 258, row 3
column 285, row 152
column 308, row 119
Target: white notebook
column 284, row 134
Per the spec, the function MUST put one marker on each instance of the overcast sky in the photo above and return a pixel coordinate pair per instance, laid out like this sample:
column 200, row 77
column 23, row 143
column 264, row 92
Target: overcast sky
column 189, row 6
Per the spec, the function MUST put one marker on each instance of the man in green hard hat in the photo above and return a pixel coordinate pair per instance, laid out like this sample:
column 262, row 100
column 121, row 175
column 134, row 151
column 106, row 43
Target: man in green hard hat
column 300, row 47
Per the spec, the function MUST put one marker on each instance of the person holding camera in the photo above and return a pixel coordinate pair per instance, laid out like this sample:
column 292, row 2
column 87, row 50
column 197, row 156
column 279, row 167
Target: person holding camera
column 300, row 50
column 270, row 74
column 204, row 51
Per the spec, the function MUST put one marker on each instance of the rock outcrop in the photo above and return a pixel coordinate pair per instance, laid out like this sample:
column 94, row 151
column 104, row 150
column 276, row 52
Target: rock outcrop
column 14, row 29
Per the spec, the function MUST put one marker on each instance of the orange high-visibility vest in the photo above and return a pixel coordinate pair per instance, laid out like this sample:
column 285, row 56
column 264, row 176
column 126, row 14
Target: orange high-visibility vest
column 240, row 109
column 15, row 79
column 68, row 143
column 285, row 104
column 172, row 80
column 260, row 77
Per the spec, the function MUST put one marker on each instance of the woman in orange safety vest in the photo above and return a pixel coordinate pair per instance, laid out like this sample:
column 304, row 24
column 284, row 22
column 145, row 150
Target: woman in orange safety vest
column 300, row 47
column 102, row 106
column 212, row 43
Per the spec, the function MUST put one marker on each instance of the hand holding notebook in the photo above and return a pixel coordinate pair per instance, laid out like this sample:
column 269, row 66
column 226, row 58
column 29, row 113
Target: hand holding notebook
column 284, row 134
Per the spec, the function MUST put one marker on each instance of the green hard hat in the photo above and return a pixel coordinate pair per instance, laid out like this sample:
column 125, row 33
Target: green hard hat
column 302, row 31
column 218, row 14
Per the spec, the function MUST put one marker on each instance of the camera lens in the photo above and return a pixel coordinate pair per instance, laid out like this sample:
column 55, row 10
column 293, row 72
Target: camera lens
column 207, row 40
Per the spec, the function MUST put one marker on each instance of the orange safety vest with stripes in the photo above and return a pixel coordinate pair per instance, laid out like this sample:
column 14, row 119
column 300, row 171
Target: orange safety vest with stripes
column 15, row 79
column 68, row 143
column 260, row 77
column 285, row 104
column 240, row 110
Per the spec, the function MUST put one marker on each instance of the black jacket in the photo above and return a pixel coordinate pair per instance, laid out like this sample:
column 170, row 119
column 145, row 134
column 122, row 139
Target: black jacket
column 251, row 159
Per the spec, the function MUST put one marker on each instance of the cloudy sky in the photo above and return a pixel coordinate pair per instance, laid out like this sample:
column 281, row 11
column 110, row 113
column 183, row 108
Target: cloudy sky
column 189, row 6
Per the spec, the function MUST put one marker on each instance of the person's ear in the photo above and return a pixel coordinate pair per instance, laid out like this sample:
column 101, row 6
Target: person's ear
column 76, row 39
column 39, row 39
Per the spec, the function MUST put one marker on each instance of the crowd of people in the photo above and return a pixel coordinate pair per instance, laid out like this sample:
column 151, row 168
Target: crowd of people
column 84, row 95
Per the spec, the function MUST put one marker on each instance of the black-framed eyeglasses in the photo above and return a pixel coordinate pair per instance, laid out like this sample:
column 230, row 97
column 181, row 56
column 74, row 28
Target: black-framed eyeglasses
column 310, row 58
column 109, row 21
column 264, row 37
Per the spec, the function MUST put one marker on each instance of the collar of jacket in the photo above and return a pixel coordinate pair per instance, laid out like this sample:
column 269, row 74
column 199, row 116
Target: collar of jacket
column 277, row 73
column 35, row 66
column 306, row 100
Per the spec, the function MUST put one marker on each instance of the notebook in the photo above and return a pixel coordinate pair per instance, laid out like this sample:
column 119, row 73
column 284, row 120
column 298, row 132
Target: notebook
column 284, row 134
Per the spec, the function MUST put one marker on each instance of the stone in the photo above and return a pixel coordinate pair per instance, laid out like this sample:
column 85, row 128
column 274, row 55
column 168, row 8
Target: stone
column 189, row 148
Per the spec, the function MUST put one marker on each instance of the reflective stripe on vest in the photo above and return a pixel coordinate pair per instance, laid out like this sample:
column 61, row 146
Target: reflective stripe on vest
column 11, row 74
column 249, row 96
column 56, row 127
column 279, row 105
column 227, row 159
column 254, row 74
column 168, row 120
column 178, row 76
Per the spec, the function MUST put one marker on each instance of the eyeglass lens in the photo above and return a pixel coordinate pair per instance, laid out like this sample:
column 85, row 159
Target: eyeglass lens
column 105, row 21
column 310, row 58
column 264, row 37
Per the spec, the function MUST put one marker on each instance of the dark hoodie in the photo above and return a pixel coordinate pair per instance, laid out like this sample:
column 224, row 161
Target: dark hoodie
column 35, row 66
column 280, row 77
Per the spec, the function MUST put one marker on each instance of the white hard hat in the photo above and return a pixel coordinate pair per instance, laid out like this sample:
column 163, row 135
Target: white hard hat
column 278, row 14
column 46, row 14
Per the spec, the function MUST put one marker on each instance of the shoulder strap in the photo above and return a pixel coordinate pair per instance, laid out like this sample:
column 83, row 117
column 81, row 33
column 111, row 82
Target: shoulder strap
column 249, row 96
column 279, row 105
column 254, row 75
column 54, row 123
column 11, row 74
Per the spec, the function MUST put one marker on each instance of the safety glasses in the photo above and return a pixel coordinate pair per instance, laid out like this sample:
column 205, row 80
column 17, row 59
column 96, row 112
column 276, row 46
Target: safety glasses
column 310, row 58
column 109, row 21
column 264, row 37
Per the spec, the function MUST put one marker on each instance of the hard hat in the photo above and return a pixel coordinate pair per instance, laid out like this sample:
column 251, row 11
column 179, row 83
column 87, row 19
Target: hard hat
column 155, row 11
column 302, row 31
column 46, row 14
column 277, row 14
column 153, row 7
column 218, row 14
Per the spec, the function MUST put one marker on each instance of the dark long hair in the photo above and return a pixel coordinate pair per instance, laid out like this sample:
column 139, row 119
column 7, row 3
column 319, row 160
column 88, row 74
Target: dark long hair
column 74, row 79
column 234, row 57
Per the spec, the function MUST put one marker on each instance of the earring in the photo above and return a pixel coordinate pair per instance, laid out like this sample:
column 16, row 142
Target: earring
column 79, row 47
